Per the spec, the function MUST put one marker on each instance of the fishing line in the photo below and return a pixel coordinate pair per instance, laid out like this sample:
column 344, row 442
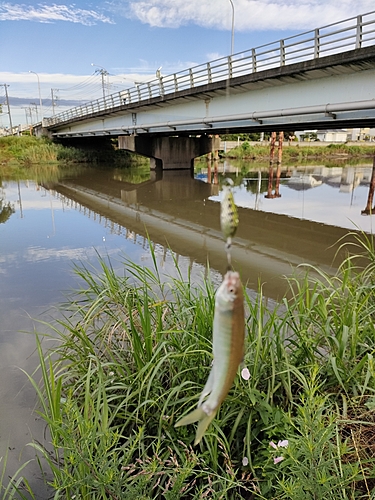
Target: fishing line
column 229, row 221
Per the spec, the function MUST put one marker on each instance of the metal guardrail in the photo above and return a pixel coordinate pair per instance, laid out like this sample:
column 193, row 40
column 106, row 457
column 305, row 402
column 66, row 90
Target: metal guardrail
column 353, row 33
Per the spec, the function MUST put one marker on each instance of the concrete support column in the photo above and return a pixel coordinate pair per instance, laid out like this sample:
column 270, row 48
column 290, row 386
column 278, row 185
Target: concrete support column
column 169, row 152
column 40, row 131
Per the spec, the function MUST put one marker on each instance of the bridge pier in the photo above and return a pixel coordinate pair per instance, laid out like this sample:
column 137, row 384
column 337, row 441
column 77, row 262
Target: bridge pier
column 169, row 152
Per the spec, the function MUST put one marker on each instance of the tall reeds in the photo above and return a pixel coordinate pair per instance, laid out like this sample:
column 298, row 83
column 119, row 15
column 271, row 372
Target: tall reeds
column 27, row 151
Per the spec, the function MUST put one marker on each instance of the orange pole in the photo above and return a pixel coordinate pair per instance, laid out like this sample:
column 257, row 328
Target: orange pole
column 272, row 150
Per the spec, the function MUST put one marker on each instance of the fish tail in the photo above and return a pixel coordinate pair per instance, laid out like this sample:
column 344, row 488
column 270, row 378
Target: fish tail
column 200, row 416
column 203, row 425
column 192, row 417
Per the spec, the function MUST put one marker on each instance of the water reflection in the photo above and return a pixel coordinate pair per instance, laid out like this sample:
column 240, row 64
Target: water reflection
column 369, row 209
column 180, row 212
column 273, row 191
column 6, row 210
column 330, row 195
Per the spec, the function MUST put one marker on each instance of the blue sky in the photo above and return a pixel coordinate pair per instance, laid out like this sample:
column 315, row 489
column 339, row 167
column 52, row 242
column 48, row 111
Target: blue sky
column 130, row 39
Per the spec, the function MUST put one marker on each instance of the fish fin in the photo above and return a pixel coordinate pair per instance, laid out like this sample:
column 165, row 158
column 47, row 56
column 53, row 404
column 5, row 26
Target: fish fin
column 200, row 416
column 203, row 425
column 191, row 417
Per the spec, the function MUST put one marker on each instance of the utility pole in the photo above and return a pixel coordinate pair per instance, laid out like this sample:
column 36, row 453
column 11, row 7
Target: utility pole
column 53, row 100
column 27, row 114
column 36, row 111
column 8, row 106
column 104, row 73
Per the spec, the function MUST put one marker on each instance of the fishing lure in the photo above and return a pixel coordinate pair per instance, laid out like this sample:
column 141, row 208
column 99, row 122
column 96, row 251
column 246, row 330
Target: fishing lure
column 228, row 352
column 228, row 218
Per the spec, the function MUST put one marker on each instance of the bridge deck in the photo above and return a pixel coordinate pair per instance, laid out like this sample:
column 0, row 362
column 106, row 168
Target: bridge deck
column 341, row 48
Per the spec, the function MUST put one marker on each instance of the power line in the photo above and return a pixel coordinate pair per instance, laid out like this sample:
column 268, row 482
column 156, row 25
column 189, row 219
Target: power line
column 84, row 83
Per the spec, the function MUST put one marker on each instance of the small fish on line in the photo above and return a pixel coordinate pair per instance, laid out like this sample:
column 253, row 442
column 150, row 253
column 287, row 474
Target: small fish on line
column 228, row 217
column 228, row 351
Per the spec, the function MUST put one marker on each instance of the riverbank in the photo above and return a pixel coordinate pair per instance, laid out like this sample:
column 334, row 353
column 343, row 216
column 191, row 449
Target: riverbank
column 134, row 352
column 25, row 151
column 301, row 151
column 21, row 153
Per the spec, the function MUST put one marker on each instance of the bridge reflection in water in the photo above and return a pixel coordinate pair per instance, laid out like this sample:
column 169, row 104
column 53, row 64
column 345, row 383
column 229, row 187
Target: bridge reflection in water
column 175, row 210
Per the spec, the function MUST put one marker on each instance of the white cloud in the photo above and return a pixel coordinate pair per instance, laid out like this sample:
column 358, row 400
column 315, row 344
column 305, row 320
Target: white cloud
column 50, row 78
column 43, row 13
column 39, row 254
column 249, row 14
column 68, row 86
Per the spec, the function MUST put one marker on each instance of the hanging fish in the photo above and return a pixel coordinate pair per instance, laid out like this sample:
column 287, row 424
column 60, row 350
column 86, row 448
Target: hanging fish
column 228, row 351
column 228, row 217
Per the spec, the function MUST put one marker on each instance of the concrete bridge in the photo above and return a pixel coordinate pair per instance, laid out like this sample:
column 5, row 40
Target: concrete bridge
column 318, row 79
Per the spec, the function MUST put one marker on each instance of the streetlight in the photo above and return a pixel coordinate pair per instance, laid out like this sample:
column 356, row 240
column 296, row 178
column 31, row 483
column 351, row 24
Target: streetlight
column 232, row 40
column 40, row 97
column 104, row 73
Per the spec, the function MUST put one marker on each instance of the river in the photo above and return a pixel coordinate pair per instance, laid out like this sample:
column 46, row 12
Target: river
column 50, row 221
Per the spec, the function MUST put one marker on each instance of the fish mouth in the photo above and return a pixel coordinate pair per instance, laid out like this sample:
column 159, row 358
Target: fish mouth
column 232, row 282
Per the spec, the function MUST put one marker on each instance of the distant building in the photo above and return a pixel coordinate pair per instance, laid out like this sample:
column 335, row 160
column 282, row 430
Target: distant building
column 332, row 135
column 337, row 135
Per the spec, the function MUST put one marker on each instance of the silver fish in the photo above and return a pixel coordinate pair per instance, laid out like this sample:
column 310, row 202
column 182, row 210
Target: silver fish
column 228, row 351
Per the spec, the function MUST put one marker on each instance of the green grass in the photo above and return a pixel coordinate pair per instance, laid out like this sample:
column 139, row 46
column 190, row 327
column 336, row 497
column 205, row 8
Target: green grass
column 133, row 353
column 27, row 151
column 300, row 153
column 15, row 487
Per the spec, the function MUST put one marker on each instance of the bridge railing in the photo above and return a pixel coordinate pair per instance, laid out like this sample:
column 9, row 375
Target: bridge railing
column 352, row 33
